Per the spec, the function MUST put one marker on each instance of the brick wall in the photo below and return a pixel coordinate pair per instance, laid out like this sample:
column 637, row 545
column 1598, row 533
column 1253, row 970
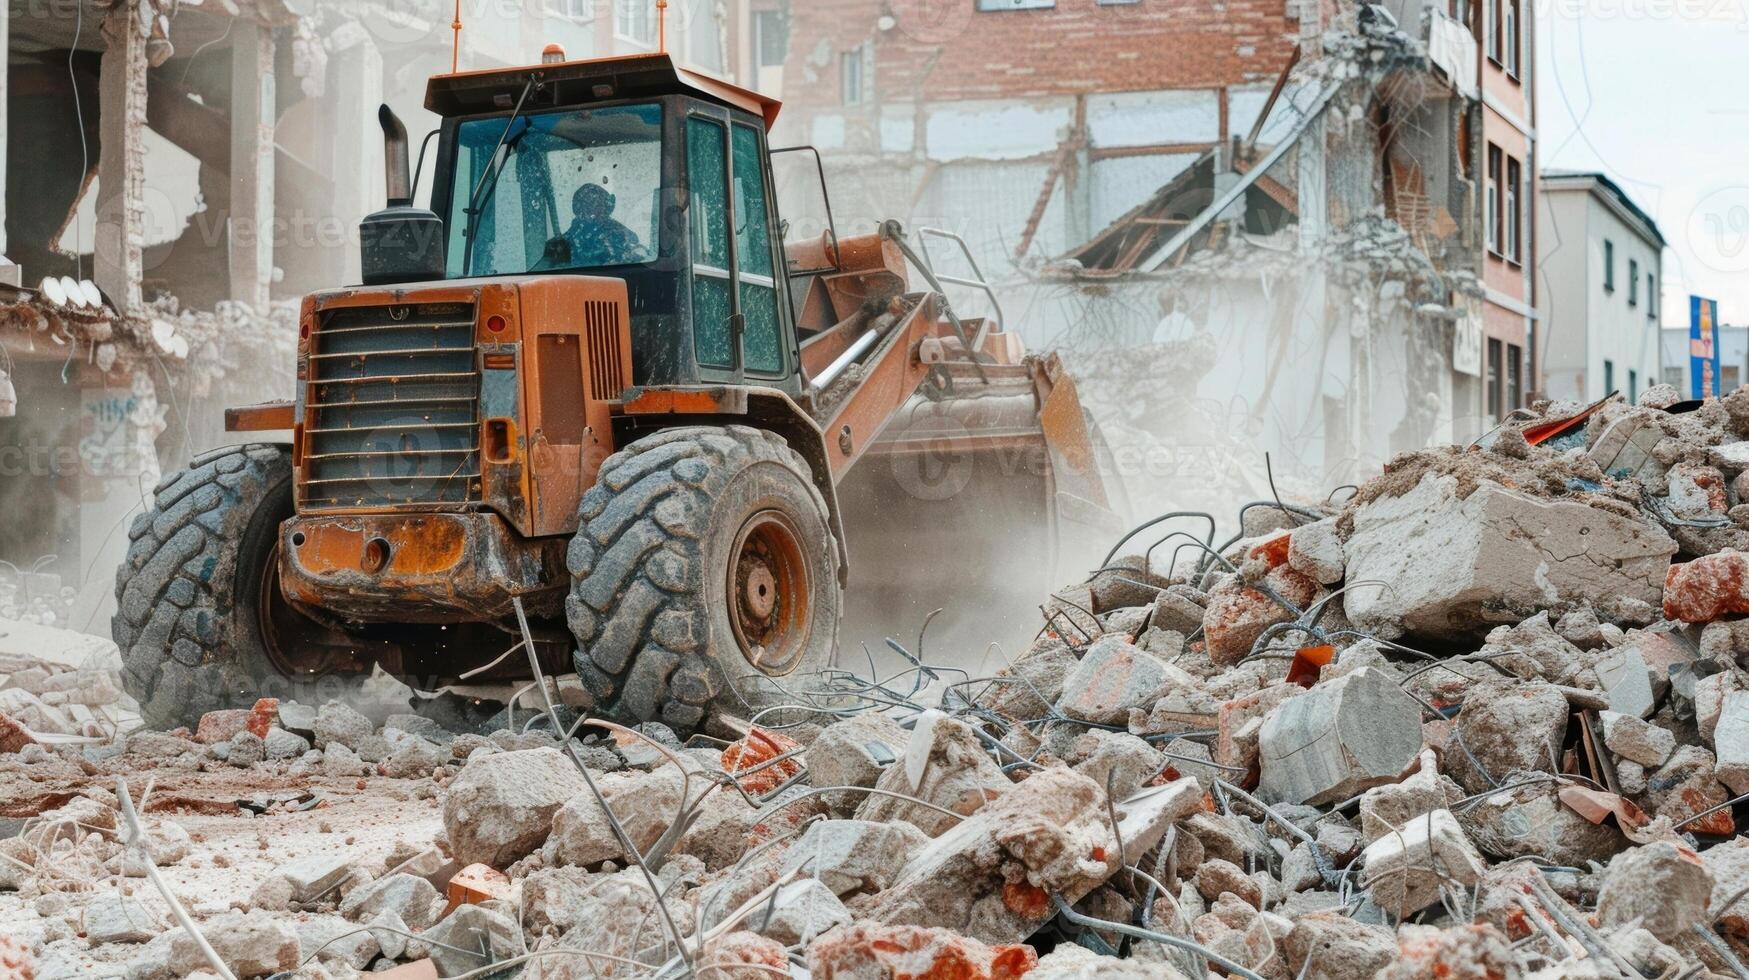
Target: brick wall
column 946, row 50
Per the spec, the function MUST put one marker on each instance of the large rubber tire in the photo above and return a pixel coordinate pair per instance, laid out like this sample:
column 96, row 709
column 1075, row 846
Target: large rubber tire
column 188, row 592
column 650, row 570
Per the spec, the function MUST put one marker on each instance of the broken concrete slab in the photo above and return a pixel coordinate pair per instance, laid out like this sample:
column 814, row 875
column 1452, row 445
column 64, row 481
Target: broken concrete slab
column 1731, row 738
column 1459, row 563
column 854, row 856
column 253, row 944
column 1637, row 740
column 1506, row 727
column 1405, row 871
column 853, row 752
column 1315, row 551
column 1663, row 886
column 501, row 806
column 1115, row 677
column 945, row 764
column 990, row 877
column 1338, row 739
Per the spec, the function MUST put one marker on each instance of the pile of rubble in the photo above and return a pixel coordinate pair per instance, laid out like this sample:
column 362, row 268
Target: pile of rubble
column 1488, row 717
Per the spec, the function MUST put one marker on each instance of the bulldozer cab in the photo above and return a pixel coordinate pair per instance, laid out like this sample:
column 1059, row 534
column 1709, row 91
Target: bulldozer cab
column 633, row 169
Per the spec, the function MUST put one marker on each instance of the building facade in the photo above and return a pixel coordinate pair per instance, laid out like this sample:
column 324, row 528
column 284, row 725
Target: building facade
column 1677, row 371
column 1505, row 165
column 1602, row 271
column 1023, row 125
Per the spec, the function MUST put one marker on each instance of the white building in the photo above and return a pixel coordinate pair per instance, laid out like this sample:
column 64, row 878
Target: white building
column 1733, row 359
column 1602, row 268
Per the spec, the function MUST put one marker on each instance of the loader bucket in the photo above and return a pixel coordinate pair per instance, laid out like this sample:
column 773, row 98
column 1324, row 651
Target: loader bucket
column 976, row 502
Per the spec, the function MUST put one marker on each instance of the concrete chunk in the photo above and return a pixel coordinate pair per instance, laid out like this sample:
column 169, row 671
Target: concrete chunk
column 945, row 763
column 854, row 856
column 800, row 912
column 1405, row 870
column 1338, row 738
column 1664, row 886
column 1506, row 727
column 1113, row 677
column 1731, row 737
column 111, row 918
column 1461, row 564
column 407, row 895
column 1708, row 588
column 1637, row 740
column 853, row 752
column 1144, row 818
column 501, row 806
column 252, row 945
column 1315, row 551
column 991, row 876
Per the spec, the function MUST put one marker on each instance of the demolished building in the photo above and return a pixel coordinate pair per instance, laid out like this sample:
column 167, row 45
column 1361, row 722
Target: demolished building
column 1286, row 238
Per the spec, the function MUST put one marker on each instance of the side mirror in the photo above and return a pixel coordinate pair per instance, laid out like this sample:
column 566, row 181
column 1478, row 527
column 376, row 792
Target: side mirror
column 400, row 243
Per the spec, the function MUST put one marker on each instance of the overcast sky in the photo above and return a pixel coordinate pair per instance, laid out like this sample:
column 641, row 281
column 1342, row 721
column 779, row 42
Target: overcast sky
column 1655, row 93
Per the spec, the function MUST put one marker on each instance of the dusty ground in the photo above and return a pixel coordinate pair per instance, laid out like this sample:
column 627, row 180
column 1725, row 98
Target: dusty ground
column 363, row 818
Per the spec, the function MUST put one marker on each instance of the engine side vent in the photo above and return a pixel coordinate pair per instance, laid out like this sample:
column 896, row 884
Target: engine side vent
column 607, row 376
column 393, row 411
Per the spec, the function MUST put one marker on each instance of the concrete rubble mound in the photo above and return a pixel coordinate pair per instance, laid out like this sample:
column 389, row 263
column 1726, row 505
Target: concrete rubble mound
column 1486, row 714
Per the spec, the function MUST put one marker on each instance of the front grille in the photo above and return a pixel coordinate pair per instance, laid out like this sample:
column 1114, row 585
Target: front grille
column 393, row 410
column 607, row 380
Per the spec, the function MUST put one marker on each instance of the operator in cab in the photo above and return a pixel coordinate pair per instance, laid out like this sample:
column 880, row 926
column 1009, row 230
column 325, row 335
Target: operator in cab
column 595, row 236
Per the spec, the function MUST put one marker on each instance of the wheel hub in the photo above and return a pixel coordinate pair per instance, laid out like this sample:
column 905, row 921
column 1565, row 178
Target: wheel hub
column 769, row 593
column 759, row 596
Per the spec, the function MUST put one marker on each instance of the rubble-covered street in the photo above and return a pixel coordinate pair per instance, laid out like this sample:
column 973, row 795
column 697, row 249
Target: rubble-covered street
column 1486, row 715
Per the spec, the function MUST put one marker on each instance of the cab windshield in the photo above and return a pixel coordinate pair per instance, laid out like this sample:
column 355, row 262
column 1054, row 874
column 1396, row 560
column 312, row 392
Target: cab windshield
column 569, row 189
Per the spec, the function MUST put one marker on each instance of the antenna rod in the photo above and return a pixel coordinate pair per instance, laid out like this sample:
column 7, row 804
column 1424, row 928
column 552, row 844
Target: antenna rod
column 662, row 26
column 455, row 51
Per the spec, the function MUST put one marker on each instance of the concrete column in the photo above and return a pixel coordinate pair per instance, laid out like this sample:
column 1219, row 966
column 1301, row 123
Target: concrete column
column 5, row 45
column 252, row 120
column 355, row 163
column 121, row 166
column 1314, row 186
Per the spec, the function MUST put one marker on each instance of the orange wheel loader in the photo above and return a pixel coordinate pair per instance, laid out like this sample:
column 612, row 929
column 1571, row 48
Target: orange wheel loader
column 593, row 385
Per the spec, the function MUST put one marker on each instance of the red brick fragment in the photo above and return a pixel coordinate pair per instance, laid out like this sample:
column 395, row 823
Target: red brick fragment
column 743, row 956
column 761, row 746
column 13, row 736
column 1707, row 588
column 913, row 953
column 222, row 725
column 1272, row 550
column 263, row 716
column 1238, row 615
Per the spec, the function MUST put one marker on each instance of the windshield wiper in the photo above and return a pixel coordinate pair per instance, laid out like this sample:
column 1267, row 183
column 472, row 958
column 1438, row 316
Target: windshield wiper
column 489, row 180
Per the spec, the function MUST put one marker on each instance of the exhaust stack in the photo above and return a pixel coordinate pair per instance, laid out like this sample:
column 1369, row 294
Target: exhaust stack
column 397, row 170
column 400, row 243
